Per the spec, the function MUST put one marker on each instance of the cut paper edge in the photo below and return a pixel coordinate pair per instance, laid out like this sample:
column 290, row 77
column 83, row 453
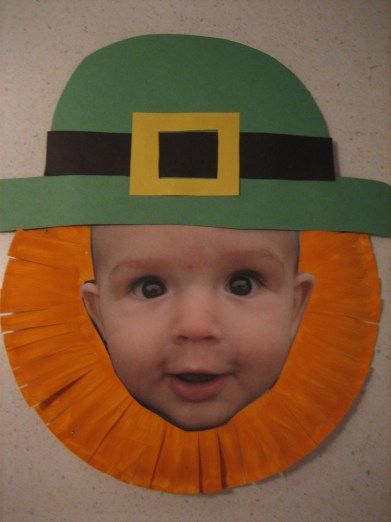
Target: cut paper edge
column 64, row 372
column 346, row 204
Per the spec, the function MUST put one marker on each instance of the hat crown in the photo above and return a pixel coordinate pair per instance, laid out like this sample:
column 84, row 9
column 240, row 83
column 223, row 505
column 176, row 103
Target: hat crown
column 183, row 73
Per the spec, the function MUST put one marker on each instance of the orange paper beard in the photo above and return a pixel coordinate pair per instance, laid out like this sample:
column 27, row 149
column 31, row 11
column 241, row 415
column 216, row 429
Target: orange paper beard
column 64, row 372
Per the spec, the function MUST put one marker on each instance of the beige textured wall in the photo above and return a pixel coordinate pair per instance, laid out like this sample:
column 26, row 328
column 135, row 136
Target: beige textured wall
column 341, row 50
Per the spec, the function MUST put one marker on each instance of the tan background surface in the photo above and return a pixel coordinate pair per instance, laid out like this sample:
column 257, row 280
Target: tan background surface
column 341, row 50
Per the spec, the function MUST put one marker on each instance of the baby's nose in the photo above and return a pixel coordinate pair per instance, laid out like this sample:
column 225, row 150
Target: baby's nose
column 196, row 319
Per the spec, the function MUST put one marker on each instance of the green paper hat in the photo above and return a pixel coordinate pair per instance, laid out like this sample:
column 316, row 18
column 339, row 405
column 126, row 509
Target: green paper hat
column 209, row 132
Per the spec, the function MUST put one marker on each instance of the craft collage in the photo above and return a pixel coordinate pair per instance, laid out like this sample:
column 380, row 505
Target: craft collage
column 195, row 218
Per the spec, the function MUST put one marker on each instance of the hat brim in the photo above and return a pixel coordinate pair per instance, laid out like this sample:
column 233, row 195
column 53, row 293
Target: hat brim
column 346, row 204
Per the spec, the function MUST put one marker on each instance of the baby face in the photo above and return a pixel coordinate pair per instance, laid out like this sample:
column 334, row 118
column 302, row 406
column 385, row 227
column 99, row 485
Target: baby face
column 198, row 321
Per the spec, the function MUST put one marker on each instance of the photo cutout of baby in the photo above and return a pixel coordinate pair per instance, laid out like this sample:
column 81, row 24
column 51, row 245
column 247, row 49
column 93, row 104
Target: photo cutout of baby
column 198, row 321
column 206, row 285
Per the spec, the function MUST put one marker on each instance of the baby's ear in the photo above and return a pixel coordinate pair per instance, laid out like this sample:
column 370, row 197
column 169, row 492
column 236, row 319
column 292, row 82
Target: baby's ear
column 302, row 290
column 90, row 294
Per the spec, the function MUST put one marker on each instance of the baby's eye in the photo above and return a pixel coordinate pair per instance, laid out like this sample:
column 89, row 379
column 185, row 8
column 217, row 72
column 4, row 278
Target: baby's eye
column 149, row 287
column 242, row 283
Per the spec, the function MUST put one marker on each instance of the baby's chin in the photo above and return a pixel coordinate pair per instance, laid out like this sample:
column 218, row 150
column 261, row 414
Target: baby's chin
column 185, row 421
column 199, row 415
column 191, row 425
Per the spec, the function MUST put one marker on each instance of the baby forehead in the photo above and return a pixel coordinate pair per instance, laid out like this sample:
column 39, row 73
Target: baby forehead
column 113, row 239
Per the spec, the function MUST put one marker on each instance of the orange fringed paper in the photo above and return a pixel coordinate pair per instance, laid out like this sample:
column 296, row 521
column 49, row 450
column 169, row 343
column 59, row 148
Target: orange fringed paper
column 64, row 372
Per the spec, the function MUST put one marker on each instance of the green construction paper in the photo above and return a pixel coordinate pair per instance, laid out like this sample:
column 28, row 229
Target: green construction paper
column 184, row 73
column 347, row 204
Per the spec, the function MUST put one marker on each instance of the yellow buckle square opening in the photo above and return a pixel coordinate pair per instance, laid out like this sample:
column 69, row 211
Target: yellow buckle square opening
column 144, row 164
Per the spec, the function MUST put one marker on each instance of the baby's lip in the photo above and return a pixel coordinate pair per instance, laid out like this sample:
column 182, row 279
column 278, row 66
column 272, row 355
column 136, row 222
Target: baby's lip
column 196, row 377
column 197, row 385
column 181, row 370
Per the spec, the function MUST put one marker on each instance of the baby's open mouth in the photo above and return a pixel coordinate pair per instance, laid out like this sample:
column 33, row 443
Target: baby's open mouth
column 197, row 386
column 195, row 378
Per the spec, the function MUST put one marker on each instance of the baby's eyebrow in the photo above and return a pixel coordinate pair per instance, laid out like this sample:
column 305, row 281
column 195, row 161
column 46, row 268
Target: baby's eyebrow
column 139, row 264
column 241, row 259
column 253, row 255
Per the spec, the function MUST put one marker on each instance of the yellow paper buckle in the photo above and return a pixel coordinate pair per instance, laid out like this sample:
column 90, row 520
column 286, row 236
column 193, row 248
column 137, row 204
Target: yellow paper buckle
column 144, row 164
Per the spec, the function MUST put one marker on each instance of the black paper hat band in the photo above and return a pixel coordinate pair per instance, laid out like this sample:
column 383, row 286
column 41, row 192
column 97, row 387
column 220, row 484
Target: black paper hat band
column 192, row 155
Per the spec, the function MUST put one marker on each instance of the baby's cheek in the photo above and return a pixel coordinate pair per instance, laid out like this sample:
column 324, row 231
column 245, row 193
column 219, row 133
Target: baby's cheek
column 119, row 354
column 131, row 347
column 265, row 352
column 261, row 367
column 128, row 363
